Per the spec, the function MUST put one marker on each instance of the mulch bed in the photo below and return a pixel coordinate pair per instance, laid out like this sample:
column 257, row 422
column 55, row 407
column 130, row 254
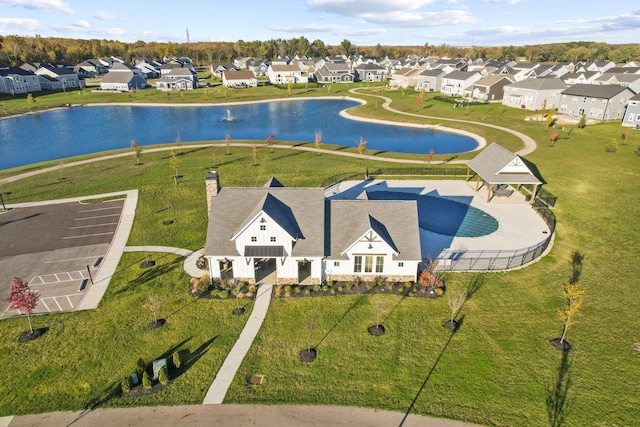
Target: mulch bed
column 139, row 390
column 238, row 311
column 30, row 336
column 451, row 325
column 377, row 330
column 308, row 355
column 564, row 345
column 155, row 324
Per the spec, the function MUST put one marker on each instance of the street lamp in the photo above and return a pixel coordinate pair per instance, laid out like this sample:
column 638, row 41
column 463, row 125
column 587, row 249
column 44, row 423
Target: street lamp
column 2, row 200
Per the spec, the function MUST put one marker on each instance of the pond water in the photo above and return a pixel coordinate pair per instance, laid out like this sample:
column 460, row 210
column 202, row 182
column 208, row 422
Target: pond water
column 69, row 132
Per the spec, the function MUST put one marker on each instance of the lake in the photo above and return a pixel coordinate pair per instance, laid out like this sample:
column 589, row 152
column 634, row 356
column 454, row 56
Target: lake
column 67, row 132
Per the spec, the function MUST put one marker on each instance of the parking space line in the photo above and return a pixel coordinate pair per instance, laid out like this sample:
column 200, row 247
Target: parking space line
column 87, row 235
column 43, row 278
column 100, row 209
column 69, row 299
column 70, row 259
column 94, row 217
column 56, row 301
column 42, row 300
column 93, row 225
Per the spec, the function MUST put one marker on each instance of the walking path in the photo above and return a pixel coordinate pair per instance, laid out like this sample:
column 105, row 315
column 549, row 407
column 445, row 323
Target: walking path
column 190, row 257
column 230, row 366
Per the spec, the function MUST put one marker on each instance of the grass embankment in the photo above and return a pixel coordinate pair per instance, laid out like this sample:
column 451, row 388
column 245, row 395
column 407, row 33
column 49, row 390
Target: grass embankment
column 499, row 368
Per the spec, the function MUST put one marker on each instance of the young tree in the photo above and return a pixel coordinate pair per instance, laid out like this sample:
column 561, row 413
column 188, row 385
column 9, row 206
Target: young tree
column 22, row 298
column 174, row 162
column 429, row 158
column 573, row 294
column 583, row 122
column 318, row 141
column 362, row 146
column 254, row 149
column 137, row 151
column 550, row 118
column 625, row 136
column 153, row 305
column 553, row 137
column 271, row 141
column 31, row 99
column 455, row 302
column 227, row 142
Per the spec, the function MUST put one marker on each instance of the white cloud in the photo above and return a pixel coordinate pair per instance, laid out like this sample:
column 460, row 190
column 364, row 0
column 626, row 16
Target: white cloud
column 341, row 30
column 104, row 16
column 55, row 5
column 26, row 24
column 83, row 23
column 358, row 7
column 422, row 19
column 502, row 1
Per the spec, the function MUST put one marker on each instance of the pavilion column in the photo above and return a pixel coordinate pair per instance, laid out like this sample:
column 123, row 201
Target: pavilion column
column 489, row 193
column 533, row 194
column 477, row 182
column 468, row 173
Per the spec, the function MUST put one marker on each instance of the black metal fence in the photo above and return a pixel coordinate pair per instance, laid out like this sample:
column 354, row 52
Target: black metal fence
column 429, row 170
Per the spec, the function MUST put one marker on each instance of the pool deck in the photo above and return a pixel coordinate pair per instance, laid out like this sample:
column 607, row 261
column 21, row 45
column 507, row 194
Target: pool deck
column 519, row 226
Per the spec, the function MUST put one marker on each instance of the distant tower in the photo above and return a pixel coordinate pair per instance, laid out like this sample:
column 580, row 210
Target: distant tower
column 188, row 39
column 213, row 187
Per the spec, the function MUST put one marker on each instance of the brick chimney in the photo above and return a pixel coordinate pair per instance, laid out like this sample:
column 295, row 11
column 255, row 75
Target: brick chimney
column 213, row 187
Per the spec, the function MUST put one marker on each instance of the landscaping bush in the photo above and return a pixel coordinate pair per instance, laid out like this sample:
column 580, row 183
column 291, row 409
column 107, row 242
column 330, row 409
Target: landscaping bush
column 163, row 377
column 140, row 367
column 146, row 380
column 177, row 359
column 125, row 384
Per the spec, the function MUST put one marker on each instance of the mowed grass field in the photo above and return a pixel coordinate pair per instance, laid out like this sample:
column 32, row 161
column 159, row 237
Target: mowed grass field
column 498, row 369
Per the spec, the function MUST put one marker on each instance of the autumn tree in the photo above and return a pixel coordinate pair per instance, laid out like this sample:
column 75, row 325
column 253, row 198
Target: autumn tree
column 430, row 156
column 271, row 141
column 551, row 117
column 573, row 294
column 318, row 141
column 22, row 298
column 362, row 146
column 227, row 142
column 583, row 122
column 137, row 151
column 174, row 163
column 553, row 137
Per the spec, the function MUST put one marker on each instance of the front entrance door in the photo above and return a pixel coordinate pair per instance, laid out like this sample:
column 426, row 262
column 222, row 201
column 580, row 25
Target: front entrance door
column 265, row 270
column 304, row 272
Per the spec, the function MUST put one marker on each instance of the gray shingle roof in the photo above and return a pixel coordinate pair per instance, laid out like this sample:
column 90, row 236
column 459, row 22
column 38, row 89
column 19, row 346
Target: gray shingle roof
column 497, row 165
column 394, row 221
column 594, row 91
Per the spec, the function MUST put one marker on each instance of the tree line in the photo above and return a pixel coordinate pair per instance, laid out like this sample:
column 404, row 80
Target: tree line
column 15, row 50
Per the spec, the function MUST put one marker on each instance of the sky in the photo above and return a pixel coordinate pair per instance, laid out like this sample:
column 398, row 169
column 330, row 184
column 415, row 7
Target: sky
column 362, row 22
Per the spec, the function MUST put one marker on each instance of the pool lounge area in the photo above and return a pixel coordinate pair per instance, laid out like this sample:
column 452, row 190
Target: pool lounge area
column 468, row 234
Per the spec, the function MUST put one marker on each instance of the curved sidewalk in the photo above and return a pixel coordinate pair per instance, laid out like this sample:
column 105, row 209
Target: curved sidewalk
column 190, row 257
column 230, row 366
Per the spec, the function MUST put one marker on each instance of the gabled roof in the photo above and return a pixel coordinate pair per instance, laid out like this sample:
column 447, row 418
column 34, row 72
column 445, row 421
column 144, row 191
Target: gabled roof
column 461, row 75
column 394, row 221
column 540, row 84
column 492, row 79
column 278, row 212
column 232, row 208
column 273, row 183
column 595, row 91
column 238, row 75
column 497, row 165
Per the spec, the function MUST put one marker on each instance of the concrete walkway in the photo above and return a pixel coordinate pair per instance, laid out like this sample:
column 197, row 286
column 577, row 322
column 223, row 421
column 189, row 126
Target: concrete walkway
column 191, row 257
column 231, row 415
column 230, row 366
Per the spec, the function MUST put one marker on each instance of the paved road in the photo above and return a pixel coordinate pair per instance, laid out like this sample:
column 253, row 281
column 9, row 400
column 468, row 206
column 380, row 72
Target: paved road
column 231, row 415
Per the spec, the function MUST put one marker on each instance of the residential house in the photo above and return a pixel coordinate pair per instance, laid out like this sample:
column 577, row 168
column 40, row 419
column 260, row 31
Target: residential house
column 123, row 77
column 14, row 80
column 600, row 66
column 370, row 72
column 454, row 83
column 632, row 81
column 430, row 80
column 258, row 66
column 239, row 79
column 405, row 78
column 295, row 235
column 581, row 77
column 91, row 68
column 489, row 88
column 69, row 79
column 177, row 77
column 150, row 69
column 600, row 102
column 285, row 74
column 334, row 72
column 218, row 68
column 632, row 112
column 533, row 94
column 241, row 62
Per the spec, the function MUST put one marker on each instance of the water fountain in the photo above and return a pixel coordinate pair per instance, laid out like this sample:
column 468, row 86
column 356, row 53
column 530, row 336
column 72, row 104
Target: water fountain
column 229, row 118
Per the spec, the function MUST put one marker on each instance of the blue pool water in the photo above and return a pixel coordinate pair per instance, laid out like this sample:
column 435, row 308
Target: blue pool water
column 69, row 132
column 444, row 216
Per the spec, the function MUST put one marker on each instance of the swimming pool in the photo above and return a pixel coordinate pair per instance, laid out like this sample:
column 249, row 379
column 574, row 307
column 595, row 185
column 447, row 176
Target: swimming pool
column 444, row 216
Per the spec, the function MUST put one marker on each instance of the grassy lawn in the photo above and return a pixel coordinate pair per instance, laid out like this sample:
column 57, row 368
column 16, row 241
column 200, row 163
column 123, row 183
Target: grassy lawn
column 498, row 369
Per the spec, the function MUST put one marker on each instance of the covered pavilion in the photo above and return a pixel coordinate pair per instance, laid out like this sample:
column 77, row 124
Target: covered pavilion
column 499, row 168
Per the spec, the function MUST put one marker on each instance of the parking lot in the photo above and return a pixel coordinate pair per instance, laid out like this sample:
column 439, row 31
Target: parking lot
column 57, row 248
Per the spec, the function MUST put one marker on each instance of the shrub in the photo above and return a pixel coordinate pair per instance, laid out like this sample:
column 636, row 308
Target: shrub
column 163, row 377
column 277, row 291
column 125, row 385
column 408, row 284
column 146, row 380
column 439, row 291
column 205, row 278
column 140, row 367
column 340, row 289
column 307, row 292
column 329, row 283
column 316, row 288
column 287, row 291
column 248, row 295
column 252, row 288
column 297, row 290
column 333, row 291
column 370, row 285
column 177, row 359
column 223, row 293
